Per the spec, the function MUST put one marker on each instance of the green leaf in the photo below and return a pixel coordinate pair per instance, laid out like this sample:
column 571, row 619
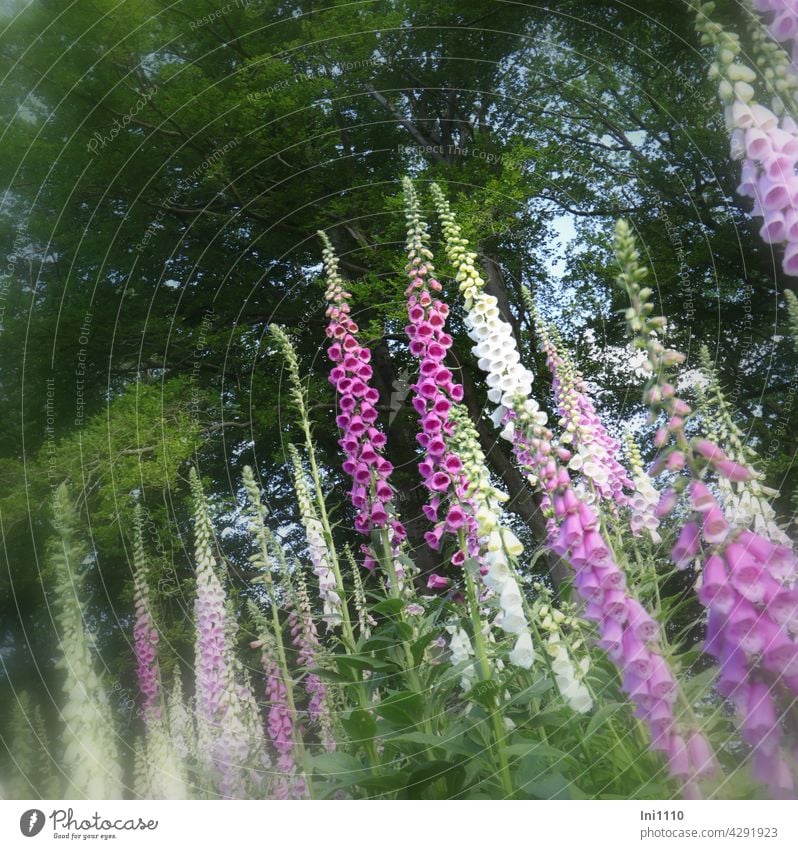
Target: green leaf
column 553, row 786
column 420, row 645
column 404, row 631
column 484, row 693
column 552, row 717
column 389, row 607
column 360, row 726
column 430, row 741
column 378, row 643
column 541, row 686
column 330, row 675
column 357, row 663
column 385, row 783
column 435, row 780
column 601, row 716
column 402, row 708
column 337, row 764
column 535, row 749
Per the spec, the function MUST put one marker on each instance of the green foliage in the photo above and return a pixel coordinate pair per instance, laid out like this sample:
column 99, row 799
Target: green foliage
column 162, row 186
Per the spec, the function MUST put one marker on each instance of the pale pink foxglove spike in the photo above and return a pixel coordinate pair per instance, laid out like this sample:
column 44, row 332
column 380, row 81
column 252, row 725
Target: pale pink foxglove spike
column 218, row 696
column 145, row 635
column 305, row 638
column 757, row 654
column 280, row 725
column 595, row 451
column 770, row 151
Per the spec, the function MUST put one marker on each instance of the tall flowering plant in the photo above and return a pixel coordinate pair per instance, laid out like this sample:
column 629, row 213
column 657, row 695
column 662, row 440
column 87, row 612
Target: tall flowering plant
column 627, row 631
column 499, row 547
column 499, row 686
column 145, row 634
column 224, row 721
column 282, row 716
column 594, row 453
column 434, row 393
column 317, row 547
column 90, row 760
column 163, row 765
column 747, row 502
column 305, row 638
column 361, row 440
column 747, row 582
column 765, row 139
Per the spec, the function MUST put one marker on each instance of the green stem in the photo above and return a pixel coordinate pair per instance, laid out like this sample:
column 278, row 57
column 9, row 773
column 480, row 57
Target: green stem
column 485, row 675
column 410, row 663
column 349, row 634
column 328, row 537
column 288, row 683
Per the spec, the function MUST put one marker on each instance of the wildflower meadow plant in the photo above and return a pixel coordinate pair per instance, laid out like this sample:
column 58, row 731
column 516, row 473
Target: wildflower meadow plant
column 747, row 581
column 764, row 138
column 482, row 677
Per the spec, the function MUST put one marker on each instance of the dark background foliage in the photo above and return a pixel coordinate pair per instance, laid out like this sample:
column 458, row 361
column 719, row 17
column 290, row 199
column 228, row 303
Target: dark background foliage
column 165, row 167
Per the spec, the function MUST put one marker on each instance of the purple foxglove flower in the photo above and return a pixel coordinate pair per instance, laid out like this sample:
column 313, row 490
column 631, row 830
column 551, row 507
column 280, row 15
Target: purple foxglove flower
column 435, row 391
column 771, row 767
column 715, row 587
column 761, row 723
column 710, row 451
column 678, row 757
column 702, row 499
column 437, row 582
column 733, row 471
column 715, row 527
column 145, row 640
column 361, row 440
column 686, row 547
column 644, row 627
column 667, row 502
column 702, row 757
